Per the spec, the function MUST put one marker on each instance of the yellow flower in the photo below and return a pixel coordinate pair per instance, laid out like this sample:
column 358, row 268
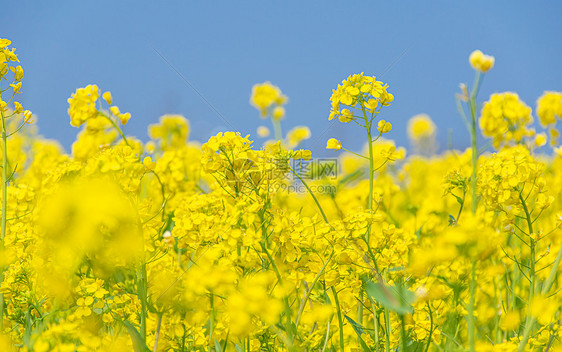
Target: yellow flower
column 420, row 126
column 540, row 139
column 107, row 97
column 148, row 163
column 124, row 118
column 481, row 62
column 4, row 43
column 16, row 87
column 360, row 92
column 333, row 144
column 172, row 131
column 83, row 104
column 263, row 131
column 506, row 119
column 18, row 107
column 278, row 113
column 384, row 127
column 297, row 135
column 27, row 115
column 18, row 73
column 266, row 95
column 544, row 309
column 346, row 116
column 115, row 110
column 549, row 108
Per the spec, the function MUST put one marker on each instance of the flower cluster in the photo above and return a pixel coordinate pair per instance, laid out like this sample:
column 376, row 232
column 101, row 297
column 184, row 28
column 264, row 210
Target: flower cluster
column 268, row 99
column 506, row 119
column 358, row 92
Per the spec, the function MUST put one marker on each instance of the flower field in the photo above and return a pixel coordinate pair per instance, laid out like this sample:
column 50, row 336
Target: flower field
column 175, row 245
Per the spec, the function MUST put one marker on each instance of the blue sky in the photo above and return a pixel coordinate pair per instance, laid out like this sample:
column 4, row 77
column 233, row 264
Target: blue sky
column 306, row 48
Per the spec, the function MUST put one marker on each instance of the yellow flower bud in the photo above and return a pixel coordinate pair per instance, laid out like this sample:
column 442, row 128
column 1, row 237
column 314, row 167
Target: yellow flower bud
column 278, row 113
column 346, row 116
column 107, row 97
column 27, row 117
column 124, row 118
column 481, row 62
column 384, row 127
column 115, row 110
column 18, row 73
column 18, row 107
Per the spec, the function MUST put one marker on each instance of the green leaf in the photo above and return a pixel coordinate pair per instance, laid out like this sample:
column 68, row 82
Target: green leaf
column 356, row 326
column 138, row 343
column 359, row 331
column 218, row 347
column 396, row 298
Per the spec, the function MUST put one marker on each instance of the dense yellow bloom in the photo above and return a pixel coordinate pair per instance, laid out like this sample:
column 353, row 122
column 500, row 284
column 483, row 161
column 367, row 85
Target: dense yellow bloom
column 506, row 119
column 83, row 104
column 171, row 132
column 174, row 246
column 502, row 177
column 481, row 62
column 266, row 95
column 355, row 92
column 549, row 108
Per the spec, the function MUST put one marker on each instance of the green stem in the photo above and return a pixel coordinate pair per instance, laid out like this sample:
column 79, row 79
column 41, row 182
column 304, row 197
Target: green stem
column 340, row 318
column 471, row 320
column 474, row 138
column 141, row 291
column 371, row 166
column 403, row 332
column 387, row 327
column 309, row 291
column 360, row 310
column 117, row 128
column 211, row 320
column 277, row 129
column 545, row 289
column 532, row 245
column 430, row 328
column 157, row 334
column 4, row 206
column 359, row 155
column 530, row 321
column 312, row 194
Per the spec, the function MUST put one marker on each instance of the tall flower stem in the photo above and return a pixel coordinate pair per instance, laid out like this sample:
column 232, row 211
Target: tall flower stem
column 471, row 319
column 4, row 206
column 371, row 167
column 340, row 318
column 530, row 321
column 474, row 137
column 277, row 129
